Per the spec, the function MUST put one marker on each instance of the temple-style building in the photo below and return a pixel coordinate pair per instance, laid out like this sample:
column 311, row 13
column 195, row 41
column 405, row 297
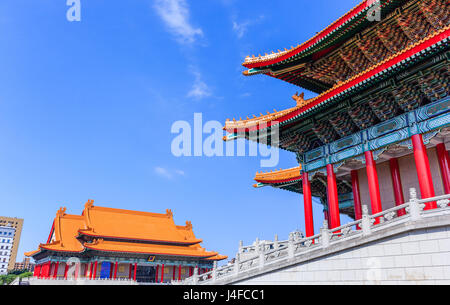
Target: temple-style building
column 379, row 124
column 106, row 243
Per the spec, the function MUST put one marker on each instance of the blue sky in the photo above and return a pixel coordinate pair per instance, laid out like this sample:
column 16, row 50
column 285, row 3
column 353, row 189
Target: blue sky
column 86, row 110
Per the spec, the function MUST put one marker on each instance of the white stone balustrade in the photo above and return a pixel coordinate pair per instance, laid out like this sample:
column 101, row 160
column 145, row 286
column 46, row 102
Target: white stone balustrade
column 268, row 253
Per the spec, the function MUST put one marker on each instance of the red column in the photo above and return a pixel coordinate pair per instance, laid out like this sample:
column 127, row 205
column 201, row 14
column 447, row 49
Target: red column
column 91, row 270
column 86, row 266
column 55, row 273
column 444, row 164
column 129, row 273
column 77, row 270
column 397, row 185
column 37, row 269
column 95, row 270
column 307, row 199
column 356, row 195
column 173, row 272
column 66, row 269
column 179, row 272
column 156, row 275
column 423, row 170
column 162, row 273
column 327, row 218
column 115, row 270
column 190, row 271
column 135, row 270
column 333, row 201
column 374, row 187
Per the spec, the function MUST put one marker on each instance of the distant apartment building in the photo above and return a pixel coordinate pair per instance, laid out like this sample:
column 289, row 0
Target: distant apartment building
column 25, row 265
column 16, row 224
column 6, row 243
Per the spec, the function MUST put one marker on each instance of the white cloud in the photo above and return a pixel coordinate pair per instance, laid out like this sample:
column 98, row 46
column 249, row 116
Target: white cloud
column 240, row 28
column 175, row 14
column 199, row 89
column 168, row 174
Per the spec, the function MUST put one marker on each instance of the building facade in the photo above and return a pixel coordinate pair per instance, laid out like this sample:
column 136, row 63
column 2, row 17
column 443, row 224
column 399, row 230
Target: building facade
column 25, row 265
column 380, row 122
column 17, row 224
column 6, row 245
column 106, row 243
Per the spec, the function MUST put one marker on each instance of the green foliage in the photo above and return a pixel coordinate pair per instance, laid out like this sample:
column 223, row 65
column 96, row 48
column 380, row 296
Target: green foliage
column 7, row 279
column 26, row 274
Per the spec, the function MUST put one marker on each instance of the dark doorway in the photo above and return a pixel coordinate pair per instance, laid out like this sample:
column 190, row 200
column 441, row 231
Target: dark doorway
column 145, row 274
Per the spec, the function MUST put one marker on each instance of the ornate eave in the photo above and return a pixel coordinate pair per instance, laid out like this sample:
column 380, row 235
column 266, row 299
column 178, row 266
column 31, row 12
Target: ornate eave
column 393, row 64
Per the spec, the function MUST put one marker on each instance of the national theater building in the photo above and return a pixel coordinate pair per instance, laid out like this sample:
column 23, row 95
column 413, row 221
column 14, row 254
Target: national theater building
column 106, row 243
column 379, row 122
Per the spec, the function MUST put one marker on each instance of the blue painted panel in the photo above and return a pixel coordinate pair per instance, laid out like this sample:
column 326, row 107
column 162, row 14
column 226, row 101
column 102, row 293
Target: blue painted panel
column 105, row 270
column 434, row 109
column 341, row 144
column 387, row 127
column 315, row 154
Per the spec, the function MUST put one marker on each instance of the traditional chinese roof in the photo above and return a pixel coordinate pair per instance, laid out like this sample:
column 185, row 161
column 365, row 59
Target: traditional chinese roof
column 372, row 73
column 103, row 222
column 292, row 65
column 116, row 230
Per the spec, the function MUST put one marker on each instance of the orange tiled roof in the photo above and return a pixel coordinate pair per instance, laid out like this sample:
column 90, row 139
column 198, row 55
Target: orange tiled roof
column 279, row 176
column 125, row 224
column 103, row 223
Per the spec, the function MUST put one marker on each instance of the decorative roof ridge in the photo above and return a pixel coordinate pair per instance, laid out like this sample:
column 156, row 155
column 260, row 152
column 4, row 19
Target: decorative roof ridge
column 268, row 118
column 300, row 100
column 279, row 175
column 168, row 214
column 256, row 60
column 187, row 227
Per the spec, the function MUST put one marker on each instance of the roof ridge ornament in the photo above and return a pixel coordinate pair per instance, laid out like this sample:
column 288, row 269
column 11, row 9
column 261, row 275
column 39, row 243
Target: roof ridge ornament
column 169, row 213
column 300, row 99
column 188, row 225
column 89, row 204
column 61, row 212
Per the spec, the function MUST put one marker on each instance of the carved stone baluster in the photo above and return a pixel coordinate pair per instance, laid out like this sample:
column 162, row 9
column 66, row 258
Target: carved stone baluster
column 414, row 207
column 365, row 222
column 325, row 235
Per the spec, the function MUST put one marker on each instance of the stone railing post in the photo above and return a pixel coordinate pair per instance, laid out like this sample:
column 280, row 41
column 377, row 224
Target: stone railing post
column 214, row 272
column 275, row 242
column 236, row 263
column 195, row 276
column 262, row 255
column 291, row 246
column 257, row 246
column 414, row 206
column 325, row 235
column 241, row 246
column 365, row 222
